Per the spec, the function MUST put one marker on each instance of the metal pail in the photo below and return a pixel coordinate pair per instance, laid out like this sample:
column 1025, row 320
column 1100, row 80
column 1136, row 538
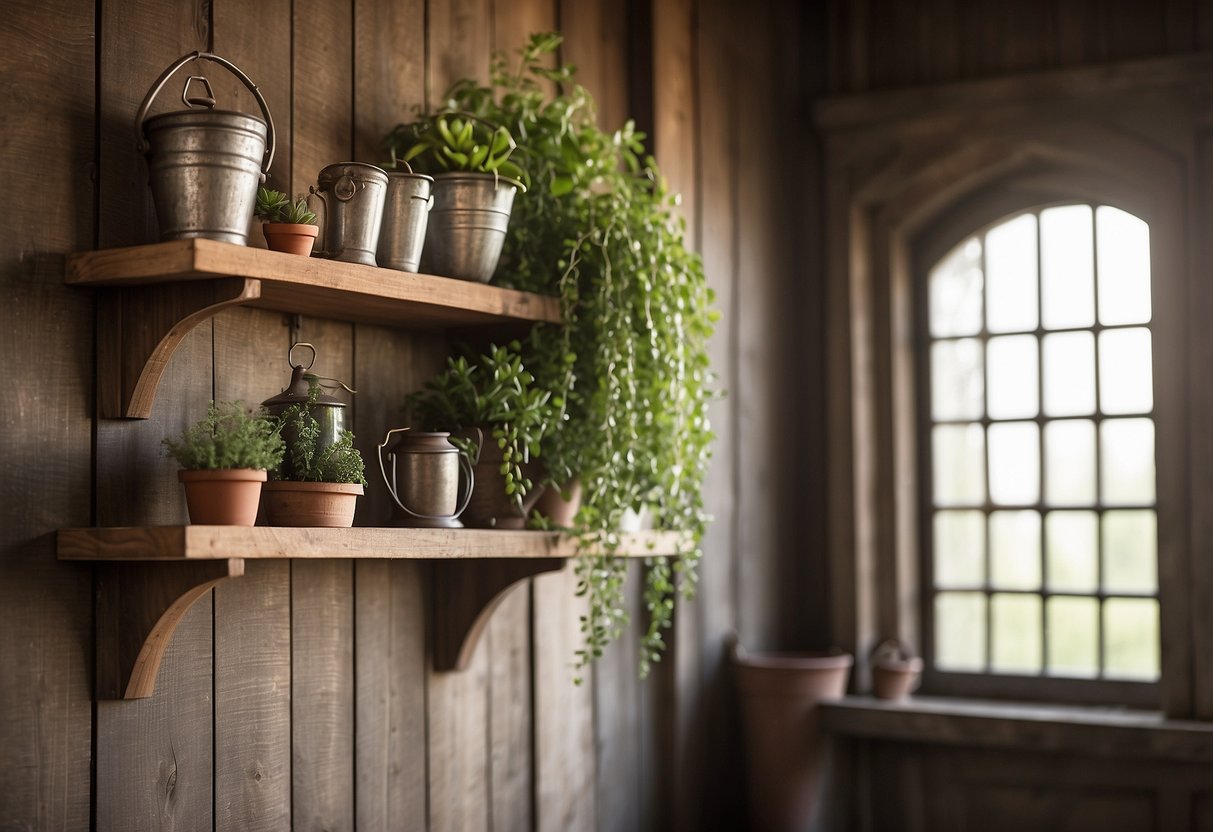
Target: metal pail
column 424, row 479
column 353, row 195
column 405, row 215
column 204, row 164
column 467, row 224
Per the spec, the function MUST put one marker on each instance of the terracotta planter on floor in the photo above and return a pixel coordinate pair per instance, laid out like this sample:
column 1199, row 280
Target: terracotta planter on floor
column 780, row 694
column 292, row 238
column 222, row 497
column 311, row 504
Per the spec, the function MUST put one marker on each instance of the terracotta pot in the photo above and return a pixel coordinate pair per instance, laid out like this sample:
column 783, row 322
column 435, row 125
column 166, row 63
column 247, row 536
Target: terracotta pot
column 311, row 504
column 222, row 497
column 489, row 506
column 780, row 694
column 895, row 670
column 293, row 238
column 559, row 511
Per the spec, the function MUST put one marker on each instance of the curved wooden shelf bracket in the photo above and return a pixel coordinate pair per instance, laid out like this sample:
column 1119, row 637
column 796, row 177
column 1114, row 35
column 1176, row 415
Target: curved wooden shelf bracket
column 139, row 605
column 466, row 592
column 139, row 329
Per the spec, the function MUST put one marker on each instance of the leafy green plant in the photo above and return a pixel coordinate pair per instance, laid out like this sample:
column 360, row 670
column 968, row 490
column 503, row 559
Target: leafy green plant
column 495, row 391
column 629, row 369
column 275, row 206
column 339, row 462
column 454, row 141
column 228, row 437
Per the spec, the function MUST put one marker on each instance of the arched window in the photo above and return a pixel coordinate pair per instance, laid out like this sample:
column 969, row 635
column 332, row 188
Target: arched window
column 1037, row 428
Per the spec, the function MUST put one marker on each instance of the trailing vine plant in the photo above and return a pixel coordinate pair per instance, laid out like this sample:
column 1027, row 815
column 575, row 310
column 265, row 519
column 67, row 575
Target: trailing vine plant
column 628, row 370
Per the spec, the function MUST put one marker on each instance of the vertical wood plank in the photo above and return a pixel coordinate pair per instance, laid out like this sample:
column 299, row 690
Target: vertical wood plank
column 45, row 606
column 390, row 632
column 459, row 41
column 322, row 650
column 321, row 129
column 510, row 724
column 252, row 616
column 565, row 754
column 389, row 70
column 154, row 763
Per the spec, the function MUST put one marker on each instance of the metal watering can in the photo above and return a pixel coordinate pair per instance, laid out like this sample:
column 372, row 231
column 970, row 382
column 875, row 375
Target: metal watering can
column 327, row 410
column 427, row 491
column 204, row 164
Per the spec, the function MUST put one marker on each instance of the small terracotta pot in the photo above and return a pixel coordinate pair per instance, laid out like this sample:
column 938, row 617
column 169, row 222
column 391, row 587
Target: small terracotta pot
column 559, row 511
column 489, row 506
column 292, row 238
column 895, row 679
column 222, row 497
column 780, row 695
column 311, row 504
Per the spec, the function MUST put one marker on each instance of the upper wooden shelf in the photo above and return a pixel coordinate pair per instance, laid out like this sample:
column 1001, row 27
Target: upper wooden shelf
column 192, row 543
column 159, row 292
column 314, row 286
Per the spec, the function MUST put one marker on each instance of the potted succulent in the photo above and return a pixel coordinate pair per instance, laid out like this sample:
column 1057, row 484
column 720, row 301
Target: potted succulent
column 325, row 480
column 629, row 370
column 474, row 187
column 224, row 459
column 895, row 670
column 287, row 226
column 498, row 416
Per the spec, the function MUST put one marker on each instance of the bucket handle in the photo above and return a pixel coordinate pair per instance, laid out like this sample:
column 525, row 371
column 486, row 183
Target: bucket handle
column 141, row 139
column 464, row 463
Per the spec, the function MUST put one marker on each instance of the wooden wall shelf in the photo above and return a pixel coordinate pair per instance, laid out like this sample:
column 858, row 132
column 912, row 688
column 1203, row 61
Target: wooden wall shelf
column 148, row 577
column 157, row 293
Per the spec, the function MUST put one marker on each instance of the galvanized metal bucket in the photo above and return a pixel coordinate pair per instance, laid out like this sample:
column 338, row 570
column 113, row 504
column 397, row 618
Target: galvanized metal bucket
column 406, row 213
column 424, row 479
column 352, row 194
column 204, row 164
column 468, row 224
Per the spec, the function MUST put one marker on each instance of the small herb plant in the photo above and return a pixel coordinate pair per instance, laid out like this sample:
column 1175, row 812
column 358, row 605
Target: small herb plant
column 340, row 462
column 454, row 141
column 275, row 206
column 229, row 437
column 497, row 392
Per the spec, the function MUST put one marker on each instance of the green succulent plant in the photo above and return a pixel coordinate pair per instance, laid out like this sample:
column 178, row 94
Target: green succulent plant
column 497, row 391
column 629, row 370
column 454, row 141
column 275, row 206
column 230, row 436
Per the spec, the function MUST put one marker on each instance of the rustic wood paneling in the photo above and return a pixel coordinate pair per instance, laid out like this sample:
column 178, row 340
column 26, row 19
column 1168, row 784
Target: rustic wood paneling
column 45, row 607
column 252, row 616
column 322, row 649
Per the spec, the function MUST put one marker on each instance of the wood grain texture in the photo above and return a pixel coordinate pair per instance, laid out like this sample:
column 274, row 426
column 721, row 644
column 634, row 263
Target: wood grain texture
column 252, row 616
column 390, row 717
column 458, row 732
column 210, row 542
column 508, row 642
column 154, row 766
column 46, row 627
column 565, row 757
column 322, row 650
column 389, row 70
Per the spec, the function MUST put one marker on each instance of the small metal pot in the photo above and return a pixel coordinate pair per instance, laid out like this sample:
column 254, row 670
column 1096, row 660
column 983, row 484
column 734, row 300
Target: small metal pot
column 406, row 213
column 328, row 411
column 424, row 479
column 352, row 194
column 467, row 225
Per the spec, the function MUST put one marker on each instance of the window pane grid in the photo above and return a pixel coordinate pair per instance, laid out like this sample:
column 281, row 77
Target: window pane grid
column 1021, row 637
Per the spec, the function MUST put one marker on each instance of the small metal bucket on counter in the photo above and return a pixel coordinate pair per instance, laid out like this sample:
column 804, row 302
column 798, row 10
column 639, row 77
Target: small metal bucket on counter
column 204, row 164
column 406, row 213
column 352, row 194
column 424, row 479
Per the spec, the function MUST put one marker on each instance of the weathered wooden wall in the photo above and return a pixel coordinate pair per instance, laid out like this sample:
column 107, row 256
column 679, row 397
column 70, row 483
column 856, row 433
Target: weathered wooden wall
column 301, row 695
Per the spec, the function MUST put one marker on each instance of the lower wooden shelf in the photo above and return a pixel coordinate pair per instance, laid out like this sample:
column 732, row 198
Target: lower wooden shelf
column 148, row 577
